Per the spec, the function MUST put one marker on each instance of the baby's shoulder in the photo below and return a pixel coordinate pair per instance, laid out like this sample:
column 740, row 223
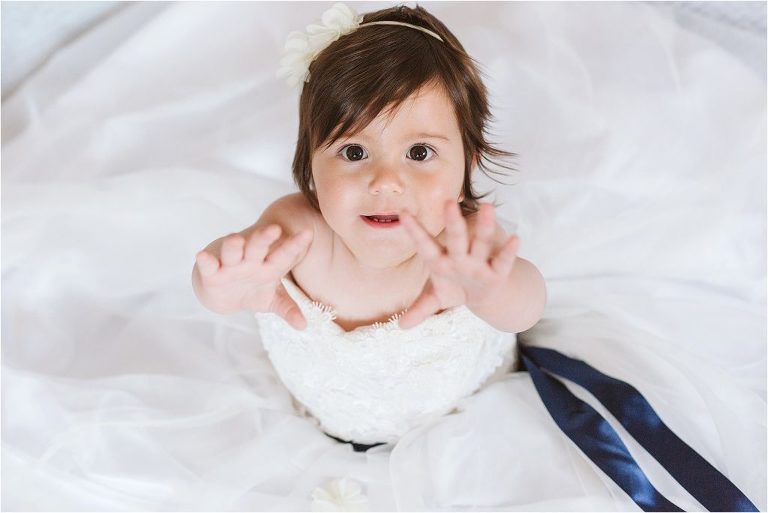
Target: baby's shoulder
column 293, row 213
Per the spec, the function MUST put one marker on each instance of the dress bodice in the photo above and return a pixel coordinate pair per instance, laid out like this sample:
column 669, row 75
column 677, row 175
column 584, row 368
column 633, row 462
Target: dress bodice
column 374, row 383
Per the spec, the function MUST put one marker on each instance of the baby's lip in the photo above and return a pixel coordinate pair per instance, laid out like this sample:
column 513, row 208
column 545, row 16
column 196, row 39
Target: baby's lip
column 380, row 214
column 389, row 218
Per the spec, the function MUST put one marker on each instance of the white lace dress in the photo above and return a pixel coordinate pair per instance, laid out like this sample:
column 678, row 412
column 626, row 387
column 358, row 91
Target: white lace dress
column 375, row 383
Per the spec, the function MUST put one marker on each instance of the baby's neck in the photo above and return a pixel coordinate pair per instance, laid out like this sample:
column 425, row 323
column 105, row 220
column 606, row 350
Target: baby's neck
column 411, row 270
column 360, row 293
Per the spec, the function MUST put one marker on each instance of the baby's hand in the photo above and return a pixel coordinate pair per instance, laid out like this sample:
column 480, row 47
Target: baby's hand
column 243, row 271
column 464, row 272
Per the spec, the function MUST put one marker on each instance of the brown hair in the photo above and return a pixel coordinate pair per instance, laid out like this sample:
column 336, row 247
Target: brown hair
column 359, row 75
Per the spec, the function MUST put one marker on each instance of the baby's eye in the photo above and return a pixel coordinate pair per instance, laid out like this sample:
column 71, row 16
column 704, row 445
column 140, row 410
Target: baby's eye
column 419, row 152
column 352, row 152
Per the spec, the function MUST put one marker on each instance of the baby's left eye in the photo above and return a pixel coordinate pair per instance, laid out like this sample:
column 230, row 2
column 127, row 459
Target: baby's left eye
column 419, row 152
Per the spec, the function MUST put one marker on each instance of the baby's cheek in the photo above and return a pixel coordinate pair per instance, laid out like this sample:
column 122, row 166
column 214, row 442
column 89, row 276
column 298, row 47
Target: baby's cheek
column 448, row 183
column 331, row 193
column 435, row 219
column 435, row 222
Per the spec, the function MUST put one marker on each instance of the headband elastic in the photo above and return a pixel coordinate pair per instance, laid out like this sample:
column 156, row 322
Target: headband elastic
column 426, row 31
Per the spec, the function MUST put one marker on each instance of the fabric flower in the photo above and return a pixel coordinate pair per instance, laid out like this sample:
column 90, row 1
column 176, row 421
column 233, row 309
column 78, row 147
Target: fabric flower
column 339, row 495
column 303, row 47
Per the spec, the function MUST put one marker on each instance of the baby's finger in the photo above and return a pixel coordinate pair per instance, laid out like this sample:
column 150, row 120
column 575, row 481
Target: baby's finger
column 455, row 231
column 207, row 264
column 426, row 305
column 232, row 249
column 503, row 262
column 284, row 257
column 257, row 245
column 425, row 244
column 484, row 230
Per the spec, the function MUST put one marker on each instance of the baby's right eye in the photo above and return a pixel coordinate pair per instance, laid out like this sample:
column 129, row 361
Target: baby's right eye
column 354, row 155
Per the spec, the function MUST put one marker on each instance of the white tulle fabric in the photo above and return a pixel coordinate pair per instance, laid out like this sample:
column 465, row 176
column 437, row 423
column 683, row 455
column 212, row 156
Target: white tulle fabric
column 640, row 196
column 375, row 383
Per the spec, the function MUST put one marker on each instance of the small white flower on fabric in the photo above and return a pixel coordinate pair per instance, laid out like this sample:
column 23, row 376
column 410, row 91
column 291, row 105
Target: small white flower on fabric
column 340, row 494
column 302, row 47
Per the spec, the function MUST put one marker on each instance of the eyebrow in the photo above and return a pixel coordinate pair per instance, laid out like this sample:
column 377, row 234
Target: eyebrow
column 410, row 136
column 431, row 136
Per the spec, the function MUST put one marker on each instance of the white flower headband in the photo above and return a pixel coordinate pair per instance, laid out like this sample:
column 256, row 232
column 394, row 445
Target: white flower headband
column 303, row 47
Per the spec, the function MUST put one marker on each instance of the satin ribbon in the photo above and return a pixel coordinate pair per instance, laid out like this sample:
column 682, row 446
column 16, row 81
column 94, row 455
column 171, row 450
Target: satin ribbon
column 600, row 442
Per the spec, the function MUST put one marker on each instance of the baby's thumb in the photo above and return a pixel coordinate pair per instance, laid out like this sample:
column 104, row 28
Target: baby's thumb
column 287, row 308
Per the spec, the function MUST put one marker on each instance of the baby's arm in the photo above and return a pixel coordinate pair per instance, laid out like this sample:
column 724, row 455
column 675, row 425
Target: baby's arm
column 242, row 271
column 516, row 305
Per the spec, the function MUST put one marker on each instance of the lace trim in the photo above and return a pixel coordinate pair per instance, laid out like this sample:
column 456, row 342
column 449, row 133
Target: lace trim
column 329, row 313
column 392, row 321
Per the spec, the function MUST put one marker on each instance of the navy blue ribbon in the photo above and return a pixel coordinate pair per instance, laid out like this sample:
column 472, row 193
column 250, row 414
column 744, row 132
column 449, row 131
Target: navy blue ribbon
column 600, row 442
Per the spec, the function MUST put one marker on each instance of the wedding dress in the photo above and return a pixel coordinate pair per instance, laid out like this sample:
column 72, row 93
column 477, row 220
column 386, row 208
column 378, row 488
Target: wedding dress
column 120, row 391
column 375, row 383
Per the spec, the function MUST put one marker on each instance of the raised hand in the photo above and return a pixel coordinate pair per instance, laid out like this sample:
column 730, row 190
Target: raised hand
column 463, row 272
column 243, row 271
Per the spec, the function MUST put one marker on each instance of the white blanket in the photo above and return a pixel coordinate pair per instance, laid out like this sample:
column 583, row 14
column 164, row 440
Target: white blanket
column 640, row 195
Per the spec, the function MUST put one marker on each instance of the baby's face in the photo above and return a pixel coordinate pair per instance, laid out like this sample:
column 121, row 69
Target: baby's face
column 412, row 161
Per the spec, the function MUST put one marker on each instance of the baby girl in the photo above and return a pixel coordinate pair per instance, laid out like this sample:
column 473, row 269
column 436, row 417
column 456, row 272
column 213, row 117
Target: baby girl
column 387, row 225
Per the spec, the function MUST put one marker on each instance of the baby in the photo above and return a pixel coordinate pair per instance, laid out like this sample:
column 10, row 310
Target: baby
column 392, row 121
column 386, row 227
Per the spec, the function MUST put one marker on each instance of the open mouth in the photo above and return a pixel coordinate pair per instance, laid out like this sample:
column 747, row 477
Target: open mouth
column 382, row 220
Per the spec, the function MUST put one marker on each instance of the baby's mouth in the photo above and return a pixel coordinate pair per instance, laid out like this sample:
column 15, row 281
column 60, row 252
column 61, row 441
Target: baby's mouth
column 382, row 220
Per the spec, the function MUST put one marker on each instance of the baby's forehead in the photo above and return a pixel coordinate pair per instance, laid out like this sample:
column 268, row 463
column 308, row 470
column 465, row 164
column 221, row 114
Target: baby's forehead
column 425, row 114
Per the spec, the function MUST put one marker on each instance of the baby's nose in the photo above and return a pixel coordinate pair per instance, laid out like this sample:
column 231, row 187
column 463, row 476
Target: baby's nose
column 386, row 180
